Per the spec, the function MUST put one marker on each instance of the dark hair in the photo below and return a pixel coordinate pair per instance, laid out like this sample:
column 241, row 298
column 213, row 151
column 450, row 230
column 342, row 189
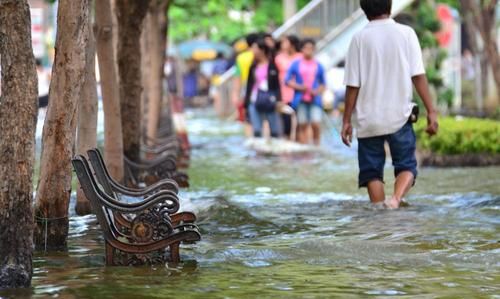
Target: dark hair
column 306, row 41
column 261, row 44
column 267, row 35
column 294, row 41
column 251, row 38
column 375, row 8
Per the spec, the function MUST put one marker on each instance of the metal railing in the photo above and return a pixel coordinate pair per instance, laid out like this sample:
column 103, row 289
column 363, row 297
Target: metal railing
column 316, row 20
column 334, row 46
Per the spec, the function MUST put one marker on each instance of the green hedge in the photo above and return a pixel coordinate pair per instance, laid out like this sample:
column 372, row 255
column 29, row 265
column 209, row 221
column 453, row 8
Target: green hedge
column 461, row 136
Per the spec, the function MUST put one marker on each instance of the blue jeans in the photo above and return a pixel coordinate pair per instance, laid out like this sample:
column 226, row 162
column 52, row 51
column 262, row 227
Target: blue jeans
column 371, row 155
column 257, row 118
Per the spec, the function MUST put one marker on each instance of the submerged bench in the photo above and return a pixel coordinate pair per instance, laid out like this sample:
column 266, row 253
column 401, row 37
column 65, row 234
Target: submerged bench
column 152, row 171
column 136, row 233
column 117, row 191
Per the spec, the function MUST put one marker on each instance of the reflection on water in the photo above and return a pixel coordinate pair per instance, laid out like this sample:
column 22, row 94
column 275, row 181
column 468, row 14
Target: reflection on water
column 298, row 227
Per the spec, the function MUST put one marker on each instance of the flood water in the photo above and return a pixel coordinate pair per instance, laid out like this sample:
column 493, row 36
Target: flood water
column 296, row 226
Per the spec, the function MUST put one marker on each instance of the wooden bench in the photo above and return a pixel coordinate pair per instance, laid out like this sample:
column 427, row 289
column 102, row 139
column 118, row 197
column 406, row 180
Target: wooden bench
column 152, row 171
column 117, row 191
column 150, row 230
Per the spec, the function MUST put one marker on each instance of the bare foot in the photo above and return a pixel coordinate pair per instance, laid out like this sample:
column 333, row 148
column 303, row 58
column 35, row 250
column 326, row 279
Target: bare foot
column 392, row 203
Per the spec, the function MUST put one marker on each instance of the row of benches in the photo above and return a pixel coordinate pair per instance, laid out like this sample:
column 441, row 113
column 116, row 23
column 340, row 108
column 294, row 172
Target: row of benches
column 147, row 231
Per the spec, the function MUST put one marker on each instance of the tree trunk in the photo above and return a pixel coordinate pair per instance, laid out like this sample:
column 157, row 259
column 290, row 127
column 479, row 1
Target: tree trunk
column 145, row 71
column 68, row 75
column 18, row 110
column 130, row 14
column 481, row 16
column 156, row 42
column 113, row 139
column 86, row 136
column 166, row 98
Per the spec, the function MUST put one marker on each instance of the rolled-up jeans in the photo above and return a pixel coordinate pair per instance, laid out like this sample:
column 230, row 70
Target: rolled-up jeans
column 257, row 118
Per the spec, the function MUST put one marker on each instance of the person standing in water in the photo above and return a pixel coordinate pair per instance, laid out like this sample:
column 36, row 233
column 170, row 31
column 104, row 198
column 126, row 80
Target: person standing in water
column 383, row 61
column 289, row 52
column 307, row 77
column 263, row 90
column 243, row 63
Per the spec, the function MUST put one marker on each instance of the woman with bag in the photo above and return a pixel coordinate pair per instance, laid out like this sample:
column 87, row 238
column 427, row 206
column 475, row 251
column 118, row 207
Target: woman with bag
column 263, row 91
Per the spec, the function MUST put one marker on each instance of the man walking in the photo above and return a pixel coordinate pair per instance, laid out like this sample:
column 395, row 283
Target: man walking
column 383, row 61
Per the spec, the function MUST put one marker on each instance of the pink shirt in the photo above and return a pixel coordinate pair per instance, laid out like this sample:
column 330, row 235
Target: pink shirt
column 308, row 70
column 283, row 62
column 260, row 77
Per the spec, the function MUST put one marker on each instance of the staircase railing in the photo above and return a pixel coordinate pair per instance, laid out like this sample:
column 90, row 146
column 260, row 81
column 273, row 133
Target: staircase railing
column 334, row 46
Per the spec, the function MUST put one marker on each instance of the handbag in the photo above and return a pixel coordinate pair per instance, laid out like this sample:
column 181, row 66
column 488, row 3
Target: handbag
column 266, row 101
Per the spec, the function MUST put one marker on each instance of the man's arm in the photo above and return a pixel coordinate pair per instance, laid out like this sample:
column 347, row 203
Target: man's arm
column 350, row 103
column 422, row 87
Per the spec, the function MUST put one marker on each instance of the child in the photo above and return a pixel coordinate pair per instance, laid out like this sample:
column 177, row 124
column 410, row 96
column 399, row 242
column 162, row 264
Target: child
column 383, row 61
column 307, row 77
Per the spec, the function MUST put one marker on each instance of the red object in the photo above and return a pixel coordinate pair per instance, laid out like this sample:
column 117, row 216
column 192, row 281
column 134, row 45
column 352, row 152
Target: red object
column 445, row 35
column 241, row 113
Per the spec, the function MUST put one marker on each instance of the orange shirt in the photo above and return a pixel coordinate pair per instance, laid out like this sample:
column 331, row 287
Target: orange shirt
column 283, row 62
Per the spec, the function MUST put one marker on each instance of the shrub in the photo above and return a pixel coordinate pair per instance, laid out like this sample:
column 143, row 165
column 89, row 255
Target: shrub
column 461, row 136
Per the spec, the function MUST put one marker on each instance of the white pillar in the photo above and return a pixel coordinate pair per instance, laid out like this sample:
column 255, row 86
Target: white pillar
column 289, row 9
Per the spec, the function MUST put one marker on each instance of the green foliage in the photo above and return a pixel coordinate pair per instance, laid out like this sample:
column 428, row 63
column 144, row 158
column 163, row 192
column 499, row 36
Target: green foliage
column 426, row 24
column 453, row 3
column 461, row 136
column 190, row 19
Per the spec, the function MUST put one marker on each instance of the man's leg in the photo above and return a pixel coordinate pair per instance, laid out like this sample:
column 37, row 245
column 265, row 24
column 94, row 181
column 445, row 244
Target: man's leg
column 403, row 146
column 371, row 158
column 376, row 191
column 403, row 184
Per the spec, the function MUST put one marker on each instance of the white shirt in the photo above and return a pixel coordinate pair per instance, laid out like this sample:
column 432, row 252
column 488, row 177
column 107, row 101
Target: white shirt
column 382, row 59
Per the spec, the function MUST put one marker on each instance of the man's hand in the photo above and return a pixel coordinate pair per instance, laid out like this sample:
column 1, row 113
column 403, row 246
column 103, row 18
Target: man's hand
column 350, row 102
column 347, row 133
column 432, row 124
column 422, row 88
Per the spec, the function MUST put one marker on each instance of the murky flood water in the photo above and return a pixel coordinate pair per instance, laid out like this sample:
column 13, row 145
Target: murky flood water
column 298, row 227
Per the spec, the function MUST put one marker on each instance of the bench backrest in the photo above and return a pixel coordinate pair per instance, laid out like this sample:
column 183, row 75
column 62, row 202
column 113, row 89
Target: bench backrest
column 104, row 216
column 101, row 171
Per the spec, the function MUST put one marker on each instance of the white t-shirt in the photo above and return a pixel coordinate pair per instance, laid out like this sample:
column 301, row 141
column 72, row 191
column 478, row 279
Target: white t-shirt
column 382, row 59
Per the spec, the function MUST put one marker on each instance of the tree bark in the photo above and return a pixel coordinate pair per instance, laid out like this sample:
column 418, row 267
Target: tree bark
column 86, row 136
column 18, row 110
column 156, row 43
column 130, row 15
column 68, row 74
column 113, row 139
column 145, row 72
column 482, row 17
